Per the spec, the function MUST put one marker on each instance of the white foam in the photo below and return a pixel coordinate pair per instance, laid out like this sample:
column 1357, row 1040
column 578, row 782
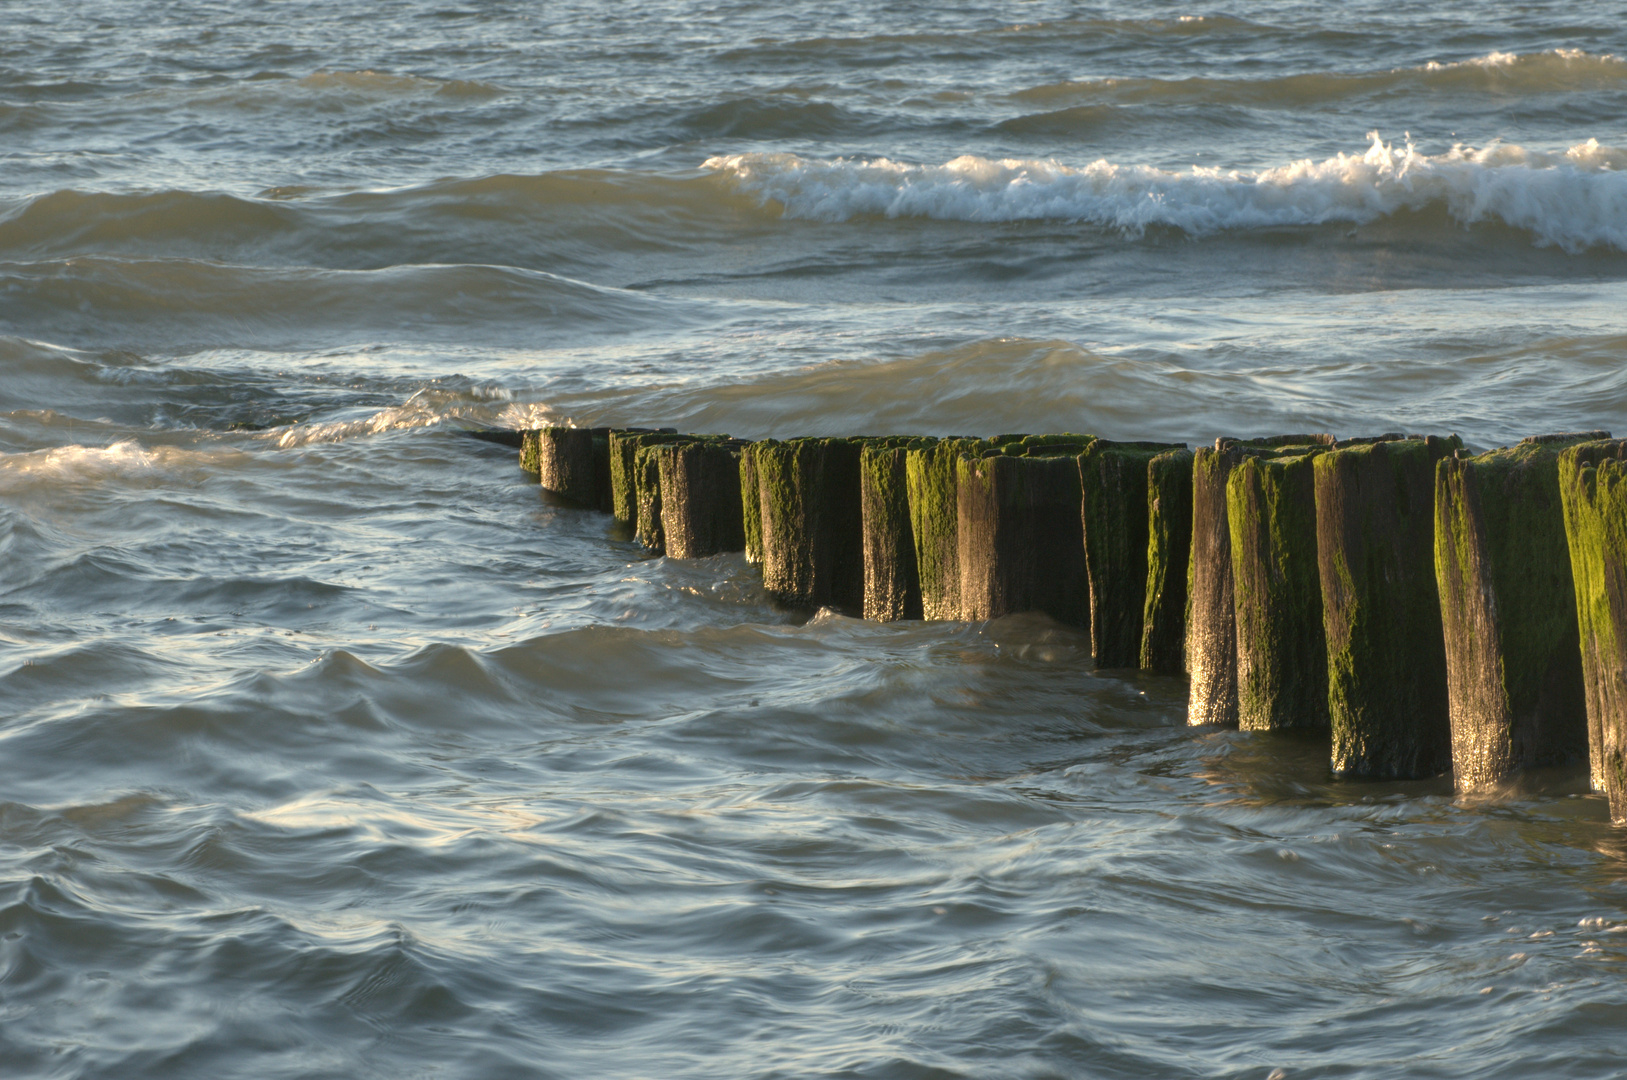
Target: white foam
column 127, row 461
column 425, row 408
column 1570, row 57
column 1575, row 200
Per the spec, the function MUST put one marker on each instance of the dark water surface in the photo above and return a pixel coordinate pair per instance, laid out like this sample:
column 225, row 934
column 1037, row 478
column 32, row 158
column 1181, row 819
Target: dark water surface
column 328, row 748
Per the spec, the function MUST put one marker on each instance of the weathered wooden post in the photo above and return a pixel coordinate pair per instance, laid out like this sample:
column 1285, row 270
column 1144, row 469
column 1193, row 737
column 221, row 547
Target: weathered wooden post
column 1114, row 479
column 1169, row 551
column 622, row 446
column 1018, row 534
column 1508, row 609
column 1211, row 629
column 647, row 527
column 1593, row 491
column 574, row 463
column 700, row 497
column 1282, row 662
column 892, row 584
column 813, row 541
column 1375, row 539
column 932, row 483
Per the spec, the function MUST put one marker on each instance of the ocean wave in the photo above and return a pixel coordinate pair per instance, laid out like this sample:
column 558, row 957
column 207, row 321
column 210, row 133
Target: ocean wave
column 131, row 462
column 1554, row 71
column 1574, row 200
column 201, row 302
column 542, row 220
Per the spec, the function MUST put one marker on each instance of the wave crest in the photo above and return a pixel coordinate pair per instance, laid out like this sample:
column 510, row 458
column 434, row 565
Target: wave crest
column 1574, row 200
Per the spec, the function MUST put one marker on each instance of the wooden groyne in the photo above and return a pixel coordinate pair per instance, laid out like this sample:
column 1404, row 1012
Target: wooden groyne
column 1430, row 609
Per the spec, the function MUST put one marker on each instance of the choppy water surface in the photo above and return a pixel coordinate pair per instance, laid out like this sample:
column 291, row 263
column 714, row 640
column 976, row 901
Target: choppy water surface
column 328, row 748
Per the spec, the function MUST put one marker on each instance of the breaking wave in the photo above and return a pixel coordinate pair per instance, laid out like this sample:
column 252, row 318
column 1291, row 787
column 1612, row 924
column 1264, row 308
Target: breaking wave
column 1575, row 199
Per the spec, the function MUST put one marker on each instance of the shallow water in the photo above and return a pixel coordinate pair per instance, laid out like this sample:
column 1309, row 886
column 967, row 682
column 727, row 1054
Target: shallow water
column 329, row 747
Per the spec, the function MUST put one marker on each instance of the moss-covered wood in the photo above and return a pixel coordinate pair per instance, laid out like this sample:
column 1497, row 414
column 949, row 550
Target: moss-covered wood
column 892, row 584
column 621, row 447
column 1113, row 476
column 931, row 481
column 1593, row 491
column 568, row 465
column 1169, row 546
column 700, row 497
column 1018, row 533
column 530, row 442
column 1211, row 623
column 1282, row 672
column 813, row 543
column 751, row 505
column 1508, row 611
column 1375, row 519
column 647, row 525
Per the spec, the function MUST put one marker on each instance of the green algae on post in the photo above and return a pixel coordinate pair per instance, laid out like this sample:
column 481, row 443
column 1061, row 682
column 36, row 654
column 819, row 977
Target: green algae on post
column 751, row 505
column 1169, row 545
column 700, row 497
column 1113, row 509
column 813, row 544
column 621, row 447
column 567, row 464
column 1211, row 624
column 1593, row 492
column 931, row 481
column 1375, row 520
column 1508, row 611
column 1282, row 666
column 892, row 584
column 647, row 495
column 530, row 442
column 1020, row 542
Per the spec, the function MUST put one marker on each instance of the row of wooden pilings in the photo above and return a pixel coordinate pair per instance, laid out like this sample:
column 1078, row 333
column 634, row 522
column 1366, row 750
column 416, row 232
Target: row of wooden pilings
column 1434, row 610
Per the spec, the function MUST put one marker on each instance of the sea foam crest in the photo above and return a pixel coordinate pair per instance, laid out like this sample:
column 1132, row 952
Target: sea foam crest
column 1575, row 200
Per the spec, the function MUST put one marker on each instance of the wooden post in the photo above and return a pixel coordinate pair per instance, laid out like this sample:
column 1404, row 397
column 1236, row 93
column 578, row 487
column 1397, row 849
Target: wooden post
column 700, row 497
column 1508, row 609
column 931, row 480
column 1375, row 538
column 1282, row 662
column 1169, row 552
column 1018, row 532
column 1211, row 628
column 892, row 583
column 1114, row 480
column 813, row 542
column 1593, row 492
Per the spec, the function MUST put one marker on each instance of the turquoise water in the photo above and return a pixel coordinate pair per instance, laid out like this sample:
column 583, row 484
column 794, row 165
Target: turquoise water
column 330, row 748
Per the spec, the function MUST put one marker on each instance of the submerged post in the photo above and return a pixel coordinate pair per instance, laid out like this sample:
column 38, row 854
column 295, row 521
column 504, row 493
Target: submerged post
column 622, row 447
column 1593, row 491
column 1018, row 534
column 1282, row 672
column 1381, row 610
column 1114, row 478
column 892, row 583
column 1508, row 609
column 1169, row 550
column 574, row 463
column 1211, row 629
column 931, row 482
column 813, row 543
column 700, row 497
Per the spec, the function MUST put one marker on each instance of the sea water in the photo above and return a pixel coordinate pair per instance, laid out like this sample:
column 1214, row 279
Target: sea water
column 329, row 747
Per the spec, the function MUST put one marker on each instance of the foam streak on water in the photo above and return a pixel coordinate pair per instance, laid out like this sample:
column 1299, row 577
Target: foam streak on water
column 331, row 748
